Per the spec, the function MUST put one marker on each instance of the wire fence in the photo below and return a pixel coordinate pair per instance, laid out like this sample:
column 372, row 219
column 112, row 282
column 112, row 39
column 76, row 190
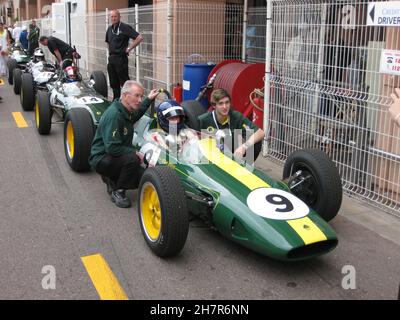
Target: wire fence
column 329, row 92
column 327, row 87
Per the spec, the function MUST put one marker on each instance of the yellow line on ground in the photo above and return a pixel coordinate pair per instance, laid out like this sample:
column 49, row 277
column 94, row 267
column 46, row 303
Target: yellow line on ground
column 19, row 119
column 103, row 278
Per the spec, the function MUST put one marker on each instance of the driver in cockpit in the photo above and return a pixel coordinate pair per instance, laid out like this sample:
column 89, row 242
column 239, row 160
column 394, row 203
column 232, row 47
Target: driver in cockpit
column 38, row 56
column 171, row 119
column 71, row 74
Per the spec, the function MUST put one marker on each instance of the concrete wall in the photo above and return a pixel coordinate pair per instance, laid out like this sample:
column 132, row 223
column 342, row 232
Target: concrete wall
column 101, row 5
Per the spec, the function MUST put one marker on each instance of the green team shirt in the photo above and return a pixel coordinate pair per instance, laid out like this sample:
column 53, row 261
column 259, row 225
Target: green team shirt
column 236, row 120
column 33, row 35
column 114, row 133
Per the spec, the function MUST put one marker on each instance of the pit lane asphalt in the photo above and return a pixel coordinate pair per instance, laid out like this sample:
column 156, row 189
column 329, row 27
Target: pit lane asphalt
column 53, row 216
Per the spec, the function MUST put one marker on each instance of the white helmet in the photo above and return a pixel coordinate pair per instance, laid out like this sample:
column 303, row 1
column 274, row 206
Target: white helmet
column 38, row 55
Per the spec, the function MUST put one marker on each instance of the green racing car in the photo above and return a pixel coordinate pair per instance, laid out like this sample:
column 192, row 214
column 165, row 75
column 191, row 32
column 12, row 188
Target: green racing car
column 283, row 219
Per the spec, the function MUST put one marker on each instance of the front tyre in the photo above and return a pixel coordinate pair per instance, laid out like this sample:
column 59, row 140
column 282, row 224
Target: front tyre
column 163, row 212
column 12, row 64
column 100, row 84
column 78, row 136
column 27, row 95
column 17, row 75
column 314, row 178
column 43, row 112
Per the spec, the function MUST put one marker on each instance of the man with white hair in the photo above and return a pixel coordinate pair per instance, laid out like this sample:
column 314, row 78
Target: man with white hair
column 112, row 154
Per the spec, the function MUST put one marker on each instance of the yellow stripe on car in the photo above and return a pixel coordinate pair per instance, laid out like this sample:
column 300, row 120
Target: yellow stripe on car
column 308, row 231
column 214, row 155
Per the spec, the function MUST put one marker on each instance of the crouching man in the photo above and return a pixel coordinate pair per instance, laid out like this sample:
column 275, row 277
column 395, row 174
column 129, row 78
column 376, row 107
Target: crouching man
column 112, row 154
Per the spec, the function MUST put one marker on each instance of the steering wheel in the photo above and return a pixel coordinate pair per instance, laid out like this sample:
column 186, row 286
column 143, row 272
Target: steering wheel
column 153, row 103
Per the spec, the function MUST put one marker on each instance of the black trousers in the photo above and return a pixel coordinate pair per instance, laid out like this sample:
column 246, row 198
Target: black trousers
column 32, row 46
column 124, row 171
column 118, row 73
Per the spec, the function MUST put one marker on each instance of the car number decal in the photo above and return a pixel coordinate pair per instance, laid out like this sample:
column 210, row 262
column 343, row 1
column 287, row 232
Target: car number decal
column 91, row 100
column 276, row 204
column 47, row 74
column 151, row 152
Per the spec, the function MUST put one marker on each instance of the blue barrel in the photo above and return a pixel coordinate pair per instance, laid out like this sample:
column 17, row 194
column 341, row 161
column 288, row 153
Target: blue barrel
column 195, row 76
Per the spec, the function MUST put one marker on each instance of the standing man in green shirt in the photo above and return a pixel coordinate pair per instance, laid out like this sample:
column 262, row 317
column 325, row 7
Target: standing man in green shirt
column 112, row 154
column 231, row 121
column 33, row 37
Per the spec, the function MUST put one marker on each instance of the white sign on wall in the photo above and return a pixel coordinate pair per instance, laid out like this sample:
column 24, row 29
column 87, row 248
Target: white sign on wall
column 390, row 62
column 384, row 14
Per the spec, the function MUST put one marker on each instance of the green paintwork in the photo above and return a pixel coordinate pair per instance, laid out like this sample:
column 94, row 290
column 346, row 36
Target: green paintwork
column 20, row 56
column 231, row 215
column 98, row 110
column 70, row 95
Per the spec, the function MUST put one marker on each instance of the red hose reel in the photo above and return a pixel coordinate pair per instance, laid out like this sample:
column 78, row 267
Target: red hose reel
column 240, row 80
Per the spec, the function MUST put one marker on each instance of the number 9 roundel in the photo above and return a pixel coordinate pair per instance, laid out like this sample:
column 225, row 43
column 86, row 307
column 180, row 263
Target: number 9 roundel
column 276, row 204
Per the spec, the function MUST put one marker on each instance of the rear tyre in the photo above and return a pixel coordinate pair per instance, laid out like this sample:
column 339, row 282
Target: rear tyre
column 100, row 83
column 27, row 95
column 318, row 183
column 17, row 75
column 78, row 136
column 11, row 64
column 163, row 212
column 193, row 110
column 43, row 112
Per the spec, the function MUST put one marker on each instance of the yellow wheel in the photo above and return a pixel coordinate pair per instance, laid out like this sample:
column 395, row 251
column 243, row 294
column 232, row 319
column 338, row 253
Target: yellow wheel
column 37, row 114
column 70, row 140
column 151, row 212
column 162, row 210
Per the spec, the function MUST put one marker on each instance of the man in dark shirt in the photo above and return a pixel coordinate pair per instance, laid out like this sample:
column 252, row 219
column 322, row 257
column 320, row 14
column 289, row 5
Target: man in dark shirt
column 58, row 48
column 117, row 37
column 112, row 154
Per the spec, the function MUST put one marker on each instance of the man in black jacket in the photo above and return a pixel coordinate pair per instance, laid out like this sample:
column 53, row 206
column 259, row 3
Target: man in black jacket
column 117, row 37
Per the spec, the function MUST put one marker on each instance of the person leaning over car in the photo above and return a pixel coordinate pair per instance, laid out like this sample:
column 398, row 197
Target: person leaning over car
column 112, row 154
column 117, row 38
column 223, row 117
column 58, row 48
column 394, row 109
